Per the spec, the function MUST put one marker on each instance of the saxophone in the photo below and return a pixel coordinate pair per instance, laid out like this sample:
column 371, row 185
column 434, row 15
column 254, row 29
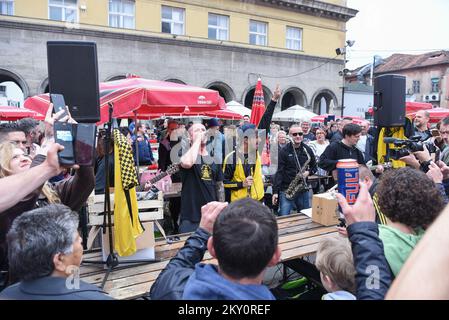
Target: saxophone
column 299, row 183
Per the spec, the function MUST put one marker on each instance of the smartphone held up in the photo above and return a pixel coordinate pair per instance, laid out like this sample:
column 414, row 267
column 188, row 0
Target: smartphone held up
column 58, row 104
column 63, row 133
column 78, row 139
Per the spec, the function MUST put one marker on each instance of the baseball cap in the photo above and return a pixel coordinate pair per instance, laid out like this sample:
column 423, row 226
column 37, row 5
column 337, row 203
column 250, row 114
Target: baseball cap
column 213, row 123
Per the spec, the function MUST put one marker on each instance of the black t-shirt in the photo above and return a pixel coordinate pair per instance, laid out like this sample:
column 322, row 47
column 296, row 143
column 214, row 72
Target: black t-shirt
column 247, row 167
column 198, row 188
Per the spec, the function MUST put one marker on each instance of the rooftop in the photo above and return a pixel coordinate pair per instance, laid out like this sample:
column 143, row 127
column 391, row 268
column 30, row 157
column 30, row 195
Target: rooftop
column 317, row 8
column 399, row 61
column 358, row 87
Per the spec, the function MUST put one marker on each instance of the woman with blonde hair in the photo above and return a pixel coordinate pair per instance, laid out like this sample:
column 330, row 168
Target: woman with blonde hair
column 72, row 192
column 13, row 160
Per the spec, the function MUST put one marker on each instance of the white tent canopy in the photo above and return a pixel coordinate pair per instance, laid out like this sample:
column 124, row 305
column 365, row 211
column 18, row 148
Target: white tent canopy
column 294, row 114
column 238, row 108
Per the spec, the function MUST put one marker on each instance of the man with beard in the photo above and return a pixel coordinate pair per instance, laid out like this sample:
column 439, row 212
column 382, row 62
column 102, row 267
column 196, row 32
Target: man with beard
column 421, row 121
column 294, row 157
column 202, row 180
column 33, row 132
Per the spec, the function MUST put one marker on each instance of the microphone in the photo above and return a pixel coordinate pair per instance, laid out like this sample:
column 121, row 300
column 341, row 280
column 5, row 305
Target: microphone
column 390, row 140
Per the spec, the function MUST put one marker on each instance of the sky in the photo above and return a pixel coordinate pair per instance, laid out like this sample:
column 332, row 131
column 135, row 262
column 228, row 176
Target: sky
column 13, row 92
column 384, row 27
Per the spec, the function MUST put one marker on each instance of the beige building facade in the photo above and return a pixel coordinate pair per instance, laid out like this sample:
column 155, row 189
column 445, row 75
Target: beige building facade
column 220, row 44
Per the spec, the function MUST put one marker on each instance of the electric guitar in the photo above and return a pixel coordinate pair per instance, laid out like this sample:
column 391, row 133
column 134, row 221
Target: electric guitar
column 153, row 192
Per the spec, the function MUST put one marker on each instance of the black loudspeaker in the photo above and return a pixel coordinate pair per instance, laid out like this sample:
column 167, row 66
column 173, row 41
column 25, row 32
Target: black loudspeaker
column 73, row 72
column 389, row 100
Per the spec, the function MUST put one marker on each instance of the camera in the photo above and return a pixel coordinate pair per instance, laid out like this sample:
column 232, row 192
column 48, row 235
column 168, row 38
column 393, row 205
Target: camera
column 404, row 147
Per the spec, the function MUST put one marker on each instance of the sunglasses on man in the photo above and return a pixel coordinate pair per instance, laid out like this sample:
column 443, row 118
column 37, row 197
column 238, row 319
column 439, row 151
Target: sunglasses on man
column 295, row 134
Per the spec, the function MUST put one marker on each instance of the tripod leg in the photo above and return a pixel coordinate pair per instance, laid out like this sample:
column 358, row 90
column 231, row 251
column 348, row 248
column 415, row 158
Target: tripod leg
column 111, row 262
column 106, row 277
column 83, row 221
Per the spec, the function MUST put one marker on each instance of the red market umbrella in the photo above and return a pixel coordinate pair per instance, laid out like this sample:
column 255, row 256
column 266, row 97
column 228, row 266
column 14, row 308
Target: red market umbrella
column 223, row 113
column 435, row 114
column 416, row 106
column 144, row 98
column 411, row 107
column 258, row 107
column 220, row 114
column 321, row 117
column 8, row 113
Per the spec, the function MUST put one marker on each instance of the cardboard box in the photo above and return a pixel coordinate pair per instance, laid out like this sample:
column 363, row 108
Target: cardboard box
column 145, row 245
column 325, row 209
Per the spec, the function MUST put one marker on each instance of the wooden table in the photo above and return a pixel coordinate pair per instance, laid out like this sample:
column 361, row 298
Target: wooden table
column 298, row 237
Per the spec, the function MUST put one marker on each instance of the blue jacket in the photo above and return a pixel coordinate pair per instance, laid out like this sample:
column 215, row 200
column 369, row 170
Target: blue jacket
column 145, row 153
column 52, row 288
column 170, row 283
column 373, row 274
column 207, row 284
column 338, row 295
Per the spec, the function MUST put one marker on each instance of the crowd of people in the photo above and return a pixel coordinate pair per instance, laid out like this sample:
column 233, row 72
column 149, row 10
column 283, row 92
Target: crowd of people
column 235, row 180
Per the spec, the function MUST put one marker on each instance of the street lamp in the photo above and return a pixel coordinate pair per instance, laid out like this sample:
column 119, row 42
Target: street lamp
column 344, row 72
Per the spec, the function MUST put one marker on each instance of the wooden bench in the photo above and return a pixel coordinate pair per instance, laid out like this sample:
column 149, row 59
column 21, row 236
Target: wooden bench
column 149, row 211
column 299, row 236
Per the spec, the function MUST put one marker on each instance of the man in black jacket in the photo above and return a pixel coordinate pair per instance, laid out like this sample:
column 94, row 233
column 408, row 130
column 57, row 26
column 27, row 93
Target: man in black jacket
column 344, row 149
column 170, row 283
column 288, row 168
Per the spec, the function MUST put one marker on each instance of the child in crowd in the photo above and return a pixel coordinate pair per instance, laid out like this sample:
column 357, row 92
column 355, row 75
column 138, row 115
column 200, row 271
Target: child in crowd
column 335, row 263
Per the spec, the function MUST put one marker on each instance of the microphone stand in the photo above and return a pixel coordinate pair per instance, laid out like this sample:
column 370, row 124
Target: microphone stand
column 112, row 260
